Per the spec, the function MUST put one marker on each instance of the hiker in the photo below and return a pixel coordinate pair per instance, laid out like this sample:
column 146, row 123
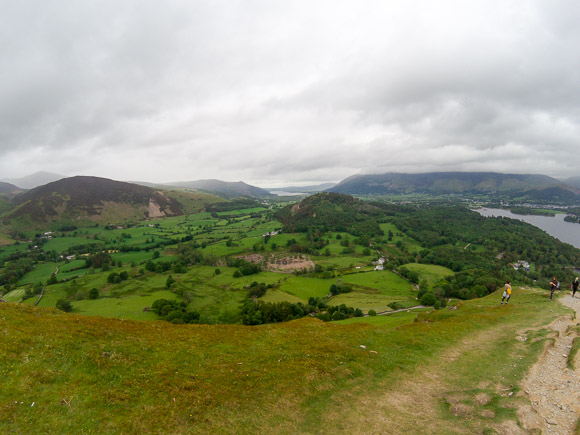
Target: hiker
column 507, row 292
column 575, row 286
column 554, row 285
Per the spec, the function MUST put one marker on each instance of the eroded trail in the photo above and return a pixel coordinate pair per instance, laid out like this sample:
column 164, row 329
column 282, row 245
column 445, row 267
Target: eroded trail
column 554, row 389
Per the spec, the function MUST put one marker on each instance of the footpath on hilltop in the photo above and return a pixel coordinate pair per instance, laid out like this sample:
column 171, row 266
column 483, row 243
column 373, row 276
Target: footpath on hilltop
column 552, row 386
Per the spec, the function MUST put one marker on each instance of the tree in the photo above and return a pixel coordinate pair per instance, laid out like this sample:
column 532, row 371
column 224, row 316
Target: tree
column 170, row 281
column 52, row 279
column 64, row 305
column 93, row 293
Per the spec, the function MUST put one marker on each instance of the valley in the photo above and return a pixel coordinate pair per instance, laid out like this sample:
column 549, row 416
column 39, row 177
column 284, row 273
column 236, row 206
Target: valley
column 236, row 315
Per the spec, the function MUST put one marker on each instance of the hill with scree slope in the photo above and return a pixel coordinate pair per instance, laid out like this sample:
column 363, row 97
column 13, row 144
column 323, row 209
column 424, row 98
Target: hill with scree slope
column 86, row 199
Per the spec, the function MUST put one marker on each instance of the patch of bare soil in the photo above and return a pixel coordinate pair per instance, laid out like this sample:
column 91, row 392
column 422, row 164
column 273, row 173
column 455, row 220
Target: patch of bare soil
column 552, row 388
column 286, row 264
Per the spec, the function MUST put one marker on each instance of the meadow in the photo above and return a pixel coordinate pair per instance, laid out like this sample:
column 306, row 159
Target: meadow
column 448, row 371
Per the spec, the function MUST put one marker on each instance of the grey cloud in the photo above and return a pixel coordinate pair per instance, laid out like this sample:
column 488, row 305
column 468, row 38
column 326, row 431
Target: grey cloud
column 287, row 90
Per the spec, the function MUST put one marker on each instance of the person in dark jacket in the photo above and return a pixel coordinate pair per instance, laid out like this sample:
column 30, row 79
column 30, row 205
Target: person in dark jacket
column 575, row 286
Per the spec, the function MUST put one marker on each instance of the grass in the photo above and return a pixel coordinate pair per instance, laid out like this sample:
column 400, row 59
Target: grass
column 92, row 374
column 60, row 244
column 430, row 272
column 128, row 307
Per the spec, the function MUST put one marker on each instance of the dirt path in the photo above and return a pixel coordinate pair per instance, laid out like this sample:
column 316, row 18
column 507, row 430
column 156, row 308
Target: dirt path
column 552, row 388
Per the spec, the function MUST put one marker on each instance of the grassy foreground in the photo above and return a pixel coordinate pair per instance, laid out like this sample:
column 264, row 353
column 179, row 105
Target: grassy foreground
column 67, row 373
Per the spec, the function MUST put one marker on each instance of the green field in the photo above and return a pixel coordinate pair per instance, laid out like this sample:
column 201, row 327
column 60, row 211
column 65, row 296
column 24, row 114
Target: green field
column 88, row 374
column 429, row 272
column 127, row 307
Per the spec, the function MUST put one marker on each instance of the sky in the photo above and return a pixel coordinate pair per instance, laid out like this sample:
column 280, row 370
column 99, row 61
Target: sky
column 278, row 93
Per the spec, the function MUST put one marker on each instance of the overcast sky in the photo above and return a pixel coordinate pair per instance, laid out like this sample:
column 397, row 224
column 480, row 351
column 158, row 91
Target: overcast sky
column 288, row 92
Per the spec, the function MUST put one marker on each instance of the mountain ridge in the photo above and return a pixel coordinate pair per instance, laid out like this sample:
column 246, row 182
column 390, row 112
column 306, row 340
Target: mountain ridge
column 442, row 183
column 228, row 189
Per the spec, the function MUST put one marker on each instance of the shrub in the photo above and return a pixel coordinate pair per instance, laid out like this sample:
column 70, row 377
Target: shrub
column 93, row 293
column 428, row 299
column 372, row 313
column 64, row 305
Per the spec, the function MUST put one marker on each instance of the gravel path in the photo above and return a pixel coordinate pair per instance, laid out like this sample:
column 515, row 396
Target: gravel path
column 553, row 389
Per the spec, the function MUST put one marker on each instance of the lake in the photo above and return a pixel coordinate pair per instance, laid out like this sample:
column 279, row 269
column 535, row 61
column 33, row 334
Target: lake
column 556, row 226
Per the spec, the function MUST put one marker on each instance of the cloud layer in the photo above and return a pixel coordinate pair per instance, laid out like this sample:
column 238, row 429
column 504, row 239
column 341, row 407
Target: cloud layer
column 278, row 93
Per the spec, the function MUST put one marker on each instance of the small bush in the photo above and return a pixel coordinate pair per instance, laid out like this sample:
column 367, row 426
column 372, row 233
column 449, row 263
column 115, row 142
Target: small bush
column 428, row 299
column 372, row 313
column 64, row 305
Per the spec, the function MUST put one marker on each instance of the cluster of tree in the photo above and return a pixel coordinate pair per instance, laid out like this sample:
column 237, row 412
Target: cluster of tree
column 446, row 231
column 15, row 270
column 257, row 290
column 410, row 275
column 244, row 268
column 97, row 259
column 339, row 312
column 259, row 312
column 174, row 312
column 336, row 289
column 115, row 278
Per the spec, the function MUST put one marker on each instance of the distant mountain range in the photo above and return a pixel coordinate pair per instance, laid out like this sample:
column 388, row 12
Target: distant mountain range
column 304, row 189
column 34, row 180
column 444, row 183
column 224, row 188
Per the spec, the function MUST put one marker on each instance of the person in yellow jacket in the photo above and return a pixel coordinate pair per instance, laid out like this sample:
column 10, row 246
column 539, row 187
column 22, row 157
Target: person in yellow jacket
column 507, row 292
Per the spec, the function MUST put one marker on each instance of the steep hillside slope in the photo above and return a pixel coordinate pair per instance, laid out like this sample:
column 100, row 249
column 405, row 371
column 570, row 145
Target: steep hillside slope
column 93, row 199
column 224, row 188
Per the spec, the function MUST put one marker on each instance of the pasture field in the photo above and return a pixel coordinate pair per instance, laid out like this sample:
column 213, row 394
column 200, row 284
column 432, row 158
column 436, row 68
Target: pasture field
column 275, row 295
column 13, row 248
column 390, row 321
column 60, row 244
column 411, row 244
column 383, row 281
column 126, row 307
column 305, row 287
column 430, row 272
column 367, row 301
column 14, row 295
column 40, row 273
column 99, row 375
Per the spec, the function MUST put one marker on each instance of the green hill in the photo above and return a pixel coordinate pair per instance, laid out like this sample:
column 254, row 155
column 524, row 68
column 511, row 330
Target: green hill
column 472, row 183
column 66, row 373
column 331, row 212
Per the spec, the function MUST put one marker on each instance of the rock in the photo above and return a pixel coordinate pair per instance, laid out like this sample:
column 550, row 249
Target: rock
column 552, row 422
